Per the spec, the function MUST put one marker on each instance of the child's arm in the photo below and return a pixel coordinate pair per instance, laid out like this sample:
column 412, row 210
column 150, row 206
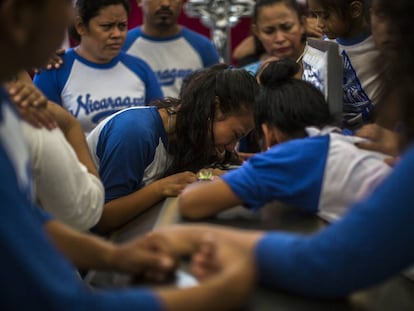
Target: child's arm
column 205, row 199
column 119, row 211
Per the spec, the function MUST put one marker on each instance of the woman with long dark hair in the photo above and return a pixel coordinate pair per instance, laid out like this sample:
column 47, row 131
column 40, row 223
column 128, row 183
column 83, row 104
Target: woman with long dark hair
column 147, row 154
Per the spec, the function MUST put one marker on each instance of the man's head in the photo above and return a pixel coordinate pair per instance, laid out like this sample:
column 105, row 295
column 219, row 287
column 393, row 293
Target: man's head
column 160, row 16
column 30, row 31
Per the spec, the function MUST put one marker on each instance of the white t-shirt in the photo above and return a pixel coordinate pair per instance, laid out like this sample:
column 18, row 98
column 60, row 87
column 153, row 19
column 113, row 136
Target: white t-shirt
column 63, row 185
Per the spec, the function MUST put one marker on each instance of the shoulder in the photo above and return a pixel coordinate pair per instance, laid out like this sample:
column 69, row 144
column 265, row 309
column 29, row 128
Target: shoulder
column 195, row 38
column 68, row 58
column 133, row 61
column 134, row 129
column 188, row 33
column 297, row 150
column 133, row 122
column 132, row 35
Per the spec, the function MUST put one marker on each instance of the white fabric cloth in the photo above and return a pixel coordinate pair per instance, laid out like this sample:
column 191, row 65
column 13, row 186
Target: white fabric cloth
column 361, row 79
column 63, row 186
column 172, row 58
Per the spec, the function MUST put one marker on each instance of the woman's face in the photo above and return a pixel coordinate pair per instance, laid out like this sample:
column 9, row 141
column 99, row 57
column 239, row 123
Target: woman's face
column 228, row 130
column 280, row 30
column 104, row 36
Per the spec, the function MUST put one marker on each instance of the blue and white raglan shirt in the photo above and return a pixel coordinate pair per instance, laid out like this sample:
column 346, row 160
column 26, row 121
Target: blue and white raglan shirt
column 130, row 150
column 35, row 276
column 323, row 174
column 371, row 243
column 92, row 91
column 361, row 82
column 172, row 58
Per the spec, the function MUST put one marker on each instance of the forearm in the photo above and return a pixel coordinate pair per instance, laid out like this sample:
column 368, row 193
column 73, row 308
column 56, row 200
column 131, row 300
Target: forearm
column 24, row 76
column 74, row 135
column 76, row 138
column 196, row 201
column 85, row 251
column 185, row 239
column 122, row 210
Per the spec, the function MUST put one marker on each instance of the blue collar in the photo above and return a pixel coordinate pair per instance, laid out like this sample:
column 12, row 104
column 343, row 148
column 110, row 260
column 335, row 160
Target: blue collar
column 355, row 40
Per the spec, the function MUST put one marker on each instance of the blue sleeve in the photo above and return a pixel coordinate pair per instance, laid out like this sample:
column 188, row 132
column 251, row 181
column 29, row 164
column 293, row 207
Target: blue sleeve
column 371, row 243
column 153, row 89
column 203, row 46
column 291, row 173
column 34, row 275
column 43, row 215
column 152, row 86
column 126, row 146
column 51, row 82
column 132, row 35
column 46, row 81
column 145, row 73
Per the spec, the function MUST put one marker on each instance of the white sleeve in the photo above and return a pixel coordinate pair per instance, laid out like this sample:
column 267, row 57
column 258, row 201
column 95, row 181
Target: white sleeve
column 63, row 185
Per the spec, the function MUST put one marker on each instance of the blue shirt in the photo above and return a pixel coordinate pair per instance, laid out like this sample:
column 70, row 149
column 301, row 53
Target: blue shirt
column 130, row 150
column 371, row 243
column 324, row 173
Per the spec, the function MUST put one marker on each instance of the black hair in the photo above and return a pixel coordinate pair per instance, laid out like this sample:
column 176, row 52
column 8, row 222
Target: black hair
column 293, row 4
column 287, row 103
column 341, row 7
column 88, row 9
column 235, row 90
column 169, row 103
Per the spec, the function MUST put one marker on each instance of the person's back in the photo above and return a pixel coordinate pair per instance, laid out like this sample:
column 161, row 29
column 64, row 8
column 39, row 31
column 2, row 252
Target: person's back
column 136, row 160
column 172, row 51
